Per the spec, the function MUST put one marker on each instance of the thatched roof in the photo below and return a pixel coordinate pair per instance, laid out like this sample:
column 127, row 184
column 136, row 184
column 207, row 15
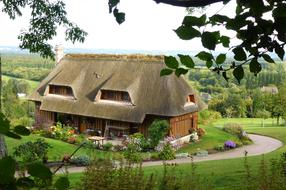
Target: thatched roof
column 136, row 74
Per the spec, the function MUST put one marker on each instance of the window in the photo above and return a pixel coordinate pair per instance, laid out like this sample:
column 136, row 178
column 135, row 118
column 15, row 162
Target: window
column 60, row 90
column 121, row 96
column 191, row 98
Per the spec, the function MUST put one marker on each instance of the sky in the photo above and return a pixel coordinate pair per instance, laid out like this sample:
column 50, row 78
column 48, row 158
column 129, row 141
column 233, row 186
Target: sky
column 148, row 26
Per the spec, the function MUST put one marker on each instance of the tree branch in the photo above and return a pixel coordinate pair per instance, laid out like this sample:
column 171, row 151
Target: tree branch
column 189, row 3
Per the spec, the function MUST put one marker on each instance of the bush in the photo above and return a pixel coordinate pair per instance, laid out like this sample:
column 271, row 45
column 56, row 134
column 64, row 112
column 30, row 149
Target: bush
column 107, row 146
column 233, row 128
column 118, row 148
column 32, row 151
column 219, row 148
column 138, row 140
column 82, row 160
column 201, row 132
column 167, row 153
column 59, row 131
column 71, row 140
column 157, row 131
column 132, row 155
column 207, row 116
column 229, row 144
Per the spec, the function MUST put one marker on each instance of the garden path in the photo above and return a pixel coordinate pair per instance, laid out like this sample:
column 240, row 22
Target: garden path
column 261, row 145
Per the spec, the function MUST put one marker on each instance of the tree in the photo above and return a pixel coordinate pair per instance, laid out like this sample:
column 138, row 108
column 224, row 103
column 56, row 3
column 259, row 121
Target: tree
column 259, row 36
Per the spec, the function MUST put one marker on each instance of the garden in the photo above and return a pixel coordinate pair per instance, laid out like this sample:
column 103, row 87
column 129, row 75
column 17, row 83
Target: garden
column 53, row 144
column 228, row 135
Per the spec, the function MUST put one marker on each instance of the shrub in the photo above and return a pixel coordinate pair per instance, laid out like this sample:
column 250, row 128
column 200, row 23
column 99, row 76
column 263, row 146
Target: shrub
column 207, row 116
column 132, row 155
column 229, row 144
column 219, row 148
column 167, row 153
column 107, row 146
column 157, row 131
column 82, row 160
column 194, row 137
column 59, row 131
column 138, row 139
column 201, row 132
column 71, row 140
column 119, row 147
column 233, row 128
column 32, row 151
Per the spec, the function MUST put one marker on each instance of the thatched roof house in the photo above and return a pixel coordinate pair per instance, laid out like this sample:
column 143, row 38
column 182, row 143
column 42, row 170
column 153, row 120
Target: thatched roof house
column 118, row 91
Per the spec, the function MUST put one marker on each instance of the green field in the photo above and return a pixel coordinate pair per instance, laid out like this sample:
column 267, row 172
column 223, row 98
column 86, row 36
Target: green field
column 33, row 84
column 226, row 174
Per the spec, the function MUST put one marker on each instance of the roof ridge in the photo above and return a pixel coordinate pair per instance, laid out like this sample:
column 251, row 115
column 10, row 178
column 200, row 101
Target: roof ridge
column 141, row 57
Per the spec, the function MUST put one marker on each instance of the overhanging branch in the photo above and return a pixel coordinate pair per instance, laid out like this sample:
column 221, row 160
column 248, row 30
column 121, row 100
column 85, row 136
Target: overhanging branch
column 188, row 3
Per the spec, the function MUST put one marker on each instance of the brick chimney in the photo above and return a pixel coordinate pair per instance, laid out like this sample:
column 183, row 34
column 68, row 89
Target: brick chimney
column 59, row 51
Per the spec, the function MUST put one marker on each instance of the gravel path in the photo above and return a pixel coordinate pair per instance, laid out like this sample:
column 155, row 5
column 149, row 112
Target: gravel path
column 261, row 145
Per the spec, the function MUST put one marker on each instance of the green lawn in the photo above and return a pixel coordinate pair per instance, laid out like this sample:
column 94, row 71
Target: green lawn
column 58, row 149
column 226, row 174
column 214, row 136
column 246, row 122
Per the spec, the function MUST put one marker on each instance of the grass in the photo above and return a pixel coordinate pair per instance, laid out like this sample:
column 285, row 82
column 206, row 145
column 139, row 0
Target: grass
column 58, row 150
column 214, row 136
column 246, row 122
column 226, row 174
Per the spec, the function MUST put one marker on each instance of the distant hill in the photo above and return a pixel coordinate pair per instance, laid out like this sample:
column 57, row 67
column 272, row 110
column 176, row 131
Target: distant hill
column 17, row 50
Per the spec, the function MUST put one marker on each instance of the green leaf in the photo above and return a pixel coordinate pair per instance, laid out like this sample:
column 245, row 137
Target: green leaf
column 209, row 40
column 280, row 11
column 119, row 16
column 280, row 52
column 219, row 18
column 62, row 183
column 187, row 33
column 111, row 4
column 239, row 54
column 187, row 61
column 25, row 182
column 268, row 58
column 225, row 41
column 39, row 170
column 254, row 66
column 21, row 130
column 209, row 63
column 194, row 21
column 238, row 73
column 205, row 56
column 165, row 72
column 8, row 169
column 220, row 58
column 181, row 71
column 171, row 62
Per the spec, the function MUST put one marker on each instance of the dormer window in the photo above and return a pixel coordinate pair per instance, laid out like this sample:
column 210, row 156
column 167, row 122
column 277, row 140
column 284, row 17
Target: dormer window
column 191, row 98
column 60, row 90
column 114, row 95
